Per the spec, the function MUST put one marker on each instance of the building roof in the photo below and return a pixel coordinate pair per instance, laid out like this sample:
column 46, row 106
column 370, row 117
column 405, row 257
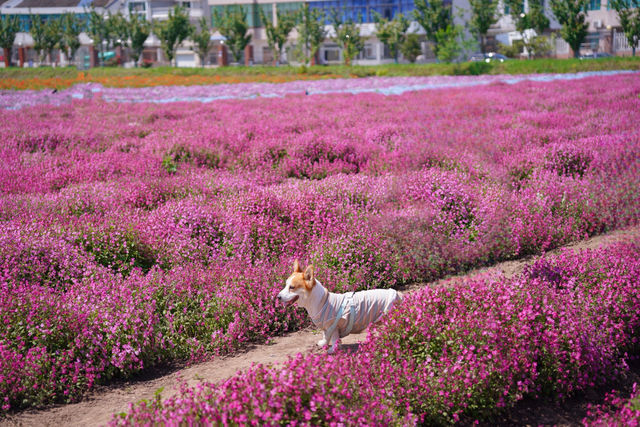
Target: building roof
column 55, row 3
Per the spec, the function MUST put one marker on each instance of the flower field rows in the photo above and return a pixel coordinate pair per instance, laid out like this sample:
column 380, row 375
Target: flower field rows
column 460, row 352
column 163, row 94
column 136, row 234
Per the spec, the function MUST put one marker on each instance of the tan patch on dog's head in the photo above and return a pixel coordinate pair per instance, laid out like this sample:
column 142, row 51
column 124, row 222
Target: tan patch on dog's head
column 301, row 280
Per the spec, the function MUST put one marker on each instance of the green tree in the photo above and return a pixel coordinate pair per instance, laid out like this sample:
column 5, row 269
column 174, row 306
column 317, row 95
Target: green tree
column 71, row 29
column 571, row 15
column 9, row 27
column 347, row 36
column 118, row 30
column 484, row 13
column 311, row 32
column 36, row 30
column 52, row 37
column 139, row 29
column 434, row 16
column 392, row 32
column 97, row 30
column 629, row 14
column 278, row 33
column 173, row 31
column 533, row 19
column 411, row 48
column 202, row 41
column 450, row 43
column 232, row 24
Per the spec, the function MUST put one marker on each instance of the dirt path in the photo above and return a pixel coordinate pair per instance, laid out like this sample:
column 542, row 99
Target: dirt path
column 99, row 406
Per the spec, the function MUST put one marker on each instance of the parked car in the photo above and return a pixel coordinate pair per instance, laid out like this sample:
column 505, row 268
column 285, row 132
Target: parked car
column 488, row 57
column 595, row 55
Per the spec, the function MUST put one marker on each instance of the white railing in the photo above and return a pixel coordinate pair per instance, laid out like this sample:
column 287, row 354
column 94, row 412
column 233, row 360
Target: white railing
column 163, row 13
column 620, row 42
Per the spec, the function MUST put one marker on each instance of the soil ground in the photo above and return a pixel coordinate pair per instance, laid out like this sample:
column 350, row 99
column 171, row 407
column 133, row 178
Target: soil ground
column 99, row 406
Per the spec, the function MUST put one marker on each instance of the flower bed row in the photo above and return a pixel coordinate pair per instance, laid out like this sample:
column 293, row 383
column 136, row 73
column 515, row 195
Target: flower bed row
column 132, row 235
column 462, row 351
column 616, row 411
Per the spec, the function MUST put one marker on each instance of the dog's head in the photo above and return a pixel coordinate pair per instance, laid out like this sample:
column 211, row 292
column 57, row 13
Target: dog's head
column 298, row 285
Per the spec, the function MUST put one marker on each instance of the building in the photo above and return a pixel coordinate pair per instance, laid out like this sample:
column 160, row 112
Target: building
column 604, row 31
column 48, row 9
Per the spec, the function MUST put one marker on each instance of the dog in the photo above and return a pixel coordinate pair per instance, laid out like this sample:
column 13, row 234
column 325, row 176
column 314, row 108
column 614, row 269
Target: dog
column 338, row 315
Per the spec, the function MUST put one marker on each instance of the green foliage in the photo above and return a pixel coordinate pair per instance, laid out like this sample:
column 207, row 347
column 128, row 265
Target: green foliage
column 512, row 51
column 392, row 32
column 118, row 30
column 347, row 36
column 72, row 26
column 411, row 48
column 449, row 43
column 629, row 13
column 169, row 164
column 202, row 41
column 433, row 16
column 37, row 33
column 533, row 19
column 311, row 32
column 484, row 13
column 9, row 27
column 277, row 34
column 139, row 29
column 173, row 31
column 97, row 30
column 117, row 248
column 571, row 15
column 232, row 24
column 52, row 36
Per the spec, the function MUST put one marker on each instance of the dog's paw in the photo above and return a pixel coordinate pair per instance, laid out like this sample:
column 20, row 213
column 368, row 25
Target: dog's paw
column 322, row 343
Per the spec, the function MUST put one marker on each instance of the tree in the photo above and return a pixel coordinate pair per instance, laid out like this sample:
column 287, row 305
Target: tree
column 392, row 32
column 37, row 33
column 139, row 29
column 202, row 41
column 9, row 27
column 97, row 30
column 411, row 48
column 533, row 19
column 347, row 36
column 173, row 31
column 232, row 24
column 450, row 43
column 433, row 16
column 571, row 15
column 52, row 37
column 483, row 16
column 71, row 28
column 118, row 31
column 278, row 33
column 629, row 14
column 311, row 31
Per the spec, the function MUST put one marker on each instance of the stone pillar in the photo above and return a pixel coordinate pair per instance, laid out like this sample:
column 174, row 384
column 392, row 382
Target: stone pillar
column 248, row 55
column 223, row 60
column 93, row 56
column 7, row 57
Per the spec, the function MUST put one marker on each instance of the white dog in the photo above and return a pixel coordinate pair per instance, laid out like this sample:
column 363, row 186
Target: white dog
column 338, row 315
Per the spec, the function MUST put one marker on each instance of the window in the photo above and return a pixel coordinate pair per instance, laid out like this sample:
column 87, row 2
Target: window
column 137, row 7
column 594, row 5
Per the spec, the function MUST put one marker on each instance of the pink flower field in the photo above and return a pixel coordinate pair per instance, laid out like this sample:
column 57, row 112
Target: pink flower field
column 136, row 234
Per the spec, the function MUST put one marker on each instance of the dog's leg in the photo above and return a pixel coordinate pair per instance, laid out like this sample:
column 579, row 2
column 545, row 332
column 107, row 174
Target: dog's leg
column 324, row 340
column 333, row 341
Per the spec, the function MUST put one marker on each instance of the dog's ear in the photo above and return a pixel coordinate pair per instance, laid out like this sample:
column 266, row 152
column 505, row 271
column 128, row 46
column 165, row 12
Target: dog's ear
column 309, row 275
column 296, row 267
